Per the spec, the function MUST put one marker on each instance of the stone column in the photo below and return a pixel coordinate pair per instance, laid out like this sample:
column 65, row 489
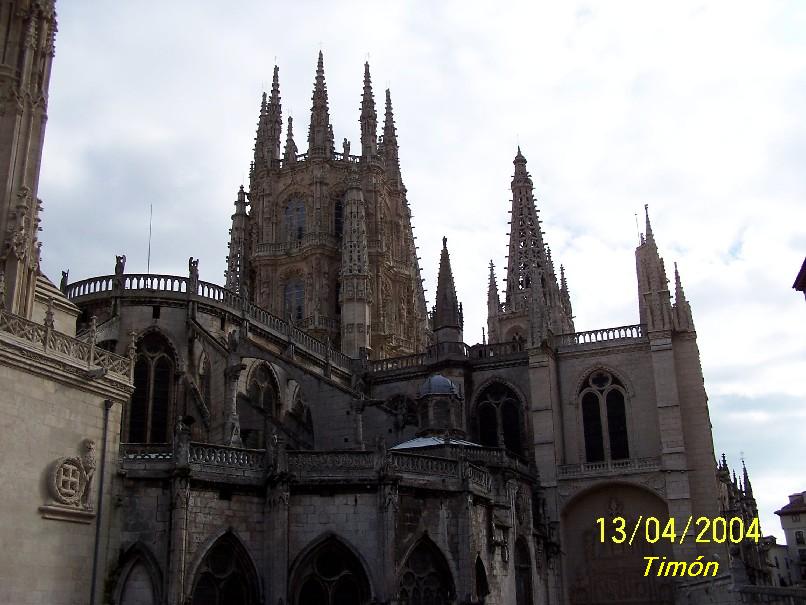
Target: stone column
column 178, row 583
column 275, row 547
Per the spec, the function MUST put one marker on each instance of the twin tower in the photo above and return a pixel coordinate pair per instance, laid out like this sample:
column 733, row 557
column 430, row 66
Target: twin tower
column 324, row 239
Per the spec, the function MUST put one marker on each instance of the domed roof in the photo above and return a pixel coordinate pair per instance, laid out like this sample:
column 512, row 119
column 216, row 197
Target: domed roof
column 437, row 384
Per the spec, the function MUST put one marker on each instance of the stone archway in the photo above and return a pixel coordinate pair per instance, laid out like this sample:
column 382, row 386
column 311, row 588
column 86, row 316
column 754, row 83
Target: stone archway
column 607, row 573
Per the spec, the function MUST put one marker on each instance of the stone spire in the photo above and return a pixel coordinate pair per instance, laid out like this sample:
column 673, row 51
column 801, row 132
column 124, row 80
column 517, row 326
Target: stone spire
column 683, row 321
column 290, row 152
column 28, row 34
column 565, row 295
column 274, row 117
column 390, row 147
column 369, row 118
column 654, row 298
column 320, row 133
column 526, row 249
column 531, row 279
column 493, row 305
column 262, row 145
column 236, row 260
column 355, row 293
column 748, row 488
column 447, row 321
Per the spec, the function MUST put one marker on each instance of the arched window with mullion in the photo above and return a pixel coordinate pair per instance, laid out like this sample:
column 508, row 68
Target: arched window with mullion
column 605, row 430
column 151, row 405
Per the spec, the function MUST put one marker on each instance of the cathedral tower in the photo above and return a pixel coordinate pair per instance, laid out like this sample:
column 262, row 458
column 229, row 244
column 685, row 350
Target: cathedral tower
column 535, row 303
column 328, row 233
column 26, row 37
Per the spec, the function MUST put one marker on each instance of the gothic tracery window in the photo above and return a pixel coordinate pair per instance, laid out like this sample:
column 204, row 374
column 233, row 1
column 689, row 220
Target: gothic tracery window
column 151, row 404
column 226, row 576
column 604, row 414
column 426, row 579
column 499, row 418
column 332, row 575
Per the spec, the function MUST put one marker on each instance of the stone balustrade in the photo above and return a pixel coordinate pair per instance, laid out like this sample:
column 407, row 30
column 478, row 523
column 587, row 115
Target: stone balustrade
column 139, row 283
column 80, row 351
column 633, row 332
column 206, row 455
column 240, row 465
column 609, row 467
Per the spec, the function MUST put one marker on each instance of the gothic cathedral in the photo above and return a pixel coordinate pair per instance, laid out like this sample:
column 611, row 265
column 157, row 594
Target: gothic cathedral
column 308, row 432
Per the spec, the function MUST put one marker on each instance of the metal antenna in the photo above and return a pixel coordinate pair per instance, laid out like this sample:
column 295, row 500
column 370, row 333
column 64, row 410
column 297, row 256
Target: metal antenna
column 150, row 217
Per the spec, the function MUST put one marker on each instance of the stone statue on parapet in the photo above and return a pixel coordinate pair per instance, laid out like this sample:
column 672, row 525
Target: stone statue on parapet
column 63, row 282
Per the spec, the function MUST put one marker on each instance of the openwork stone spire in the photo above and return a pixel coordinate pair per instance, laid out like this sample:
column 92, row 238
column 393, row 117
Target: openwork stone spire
column 369, row 118
column 320, row 133
column 534, row 303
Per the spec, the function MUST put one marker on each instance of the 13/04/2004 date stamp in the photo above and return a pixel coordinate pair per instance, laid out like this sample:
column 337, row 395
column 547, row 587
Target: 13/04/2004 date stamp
column 703, row 530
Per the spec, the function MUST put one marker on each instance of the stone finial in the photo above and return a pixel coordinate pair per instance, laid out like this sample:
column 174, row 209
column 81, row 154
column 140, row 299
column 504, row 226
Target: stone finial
column 63, row 282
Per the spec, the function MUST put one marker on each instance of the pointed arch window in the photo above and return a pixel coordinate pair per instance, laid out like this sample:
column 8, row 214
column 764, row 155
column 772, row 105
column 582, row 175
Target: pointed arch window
column 425, row 578
column 523, row 573
column 332, row 575
column 500, row 418
column 226, row 575
column 294, row 221
column 260, row 404
column 482, row 585
column 152, row 402
column 603, row 400
column 294, row 297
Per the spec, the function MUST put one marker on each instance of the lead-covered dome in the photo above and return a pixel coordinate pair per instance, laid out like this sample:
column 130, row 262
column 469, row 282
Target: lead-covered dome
column 437, row 384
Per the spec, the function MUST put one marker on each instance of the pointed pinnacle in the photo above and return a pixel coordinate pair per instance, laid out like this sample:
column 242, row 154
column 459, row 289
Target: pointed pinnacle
column 679, row 294
column 320, row 63
column 275, row 85
column 649, row 236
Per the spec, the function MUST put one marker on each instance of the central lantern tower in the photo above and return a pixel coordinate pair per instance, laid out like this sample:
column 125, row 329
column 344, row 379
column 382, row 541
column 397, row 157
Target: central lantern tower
column 324, row 238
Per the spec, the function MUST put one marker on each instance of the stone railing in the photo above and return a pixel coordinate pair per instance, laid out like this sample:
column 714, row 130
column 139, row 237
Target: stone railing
column 81, row 351
column 353, row 159
column 206, row 455
column 498, row 349
column 479, row 477
column 131, row 283
column 610, row 467
column 398, row 363
column 423, row 465
column 604, row 335
column 146, row 451
column 331, row 462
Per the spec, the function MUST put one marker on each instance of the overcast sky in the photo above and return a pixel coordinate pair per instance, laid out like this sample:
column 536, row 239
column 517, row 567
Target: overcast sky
column 696, row 108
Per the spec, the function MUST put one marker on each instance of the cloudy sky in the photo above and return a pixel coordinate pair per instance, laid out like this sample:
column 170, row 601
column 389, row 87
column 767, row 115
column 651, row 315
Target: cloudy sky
column 696, row 108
